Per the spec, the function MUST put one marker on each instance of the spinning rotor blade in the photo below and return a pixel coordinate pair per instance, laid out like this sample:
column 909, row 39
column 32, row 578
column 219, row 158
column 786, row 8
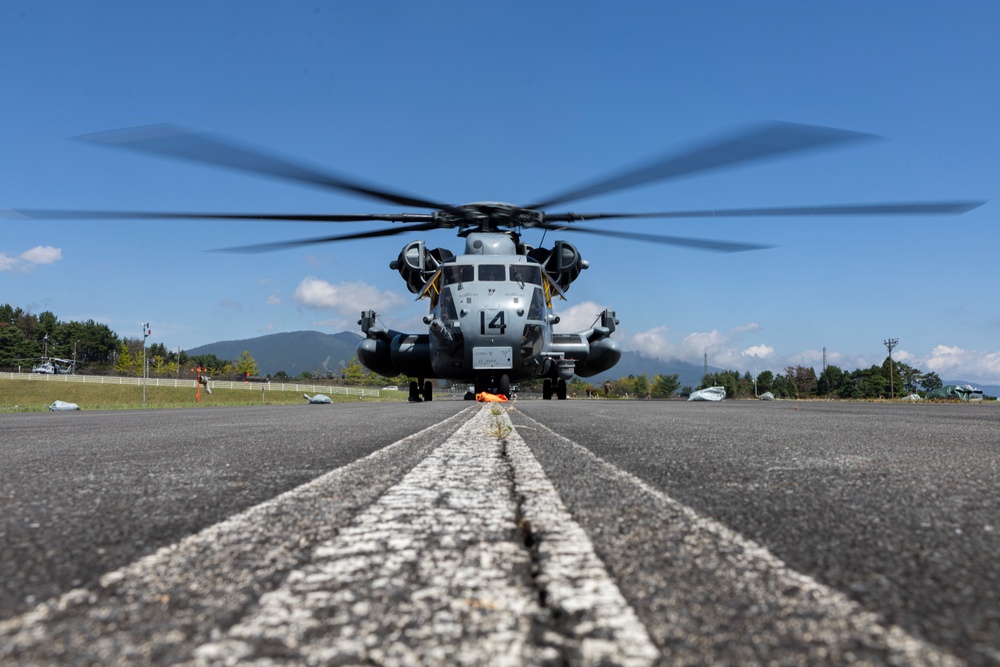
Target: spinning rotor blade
column 284, row 245
column 47, row 214
column 764, row 141
column 173, row 141
column 701, row 244
column 925, row 208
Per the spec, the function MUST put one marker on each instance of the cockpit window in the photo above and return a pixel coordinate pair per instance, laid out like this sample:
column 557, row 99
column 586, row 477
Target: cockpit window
column 526, row 273
column 492, row 272
column 458, row 274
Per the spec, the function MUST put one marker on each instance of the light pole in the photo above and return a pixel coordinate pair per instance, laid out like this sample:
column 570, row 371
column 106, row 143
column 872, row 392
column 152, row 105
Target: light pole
column 889, row 344
column 145, row 334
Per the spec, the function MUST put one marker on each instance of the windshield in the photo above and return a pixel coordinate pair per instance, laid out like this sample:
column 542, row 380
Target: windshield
column 526, row 273
column 492, row 272
column 458, row 274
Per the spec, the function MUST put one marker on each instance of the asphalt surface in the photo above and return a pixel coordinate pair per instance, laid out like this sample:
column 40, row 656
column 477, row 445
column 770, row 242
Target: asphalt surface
column 562, row 532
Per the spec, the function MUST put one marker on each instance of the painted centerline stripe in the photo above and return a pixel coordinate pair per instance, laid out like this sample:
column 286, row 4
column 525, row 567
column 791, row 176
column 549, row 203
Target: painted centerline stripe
column 433, row 569
column 437, row 572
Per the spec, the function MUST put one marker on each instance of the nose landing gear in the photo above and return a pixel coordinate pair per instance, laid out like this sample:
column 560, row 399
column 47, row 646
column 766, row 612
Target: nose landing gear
column 418, row 393
column 559, row 386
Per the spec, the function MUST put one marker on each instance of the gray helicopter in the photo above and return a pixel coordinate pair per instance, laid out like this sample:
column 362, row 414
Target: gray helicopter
column 490, row 319
column 53, row 366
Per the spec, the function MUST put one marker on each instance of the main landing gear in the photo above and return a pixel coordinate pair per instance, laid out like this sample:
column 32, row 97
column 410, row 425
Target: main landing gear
column 559, row 387
column 416, row 395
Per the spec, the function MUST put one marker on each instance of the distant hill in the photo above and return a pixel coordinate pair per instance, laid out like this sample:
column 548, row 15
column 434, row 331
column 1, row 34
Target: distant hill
column 633, row 363
column 294, row 352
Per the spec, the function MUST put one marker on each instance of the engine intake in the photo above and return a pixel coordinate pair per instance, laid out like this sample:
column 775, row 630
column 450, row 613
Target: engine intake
column 562, row 263
column 416, row 264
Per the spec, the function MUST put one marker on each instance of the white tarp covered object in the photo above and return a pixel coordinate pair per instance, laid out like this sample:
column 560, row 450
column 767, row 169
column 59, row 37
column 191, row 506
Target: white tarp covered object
column 708, row 394
column 60, row 406
column 767, row 396
column 318, row 399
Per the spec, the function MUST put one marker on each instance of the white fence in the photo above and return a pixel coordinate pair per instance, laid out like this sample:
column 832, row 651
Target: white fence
column 165, row 382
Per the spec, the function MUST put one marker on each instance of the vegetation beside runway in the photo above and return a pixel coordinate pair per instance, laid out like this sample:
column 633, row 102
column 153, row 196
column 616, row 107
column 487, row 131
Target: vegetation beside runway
column 34, row 396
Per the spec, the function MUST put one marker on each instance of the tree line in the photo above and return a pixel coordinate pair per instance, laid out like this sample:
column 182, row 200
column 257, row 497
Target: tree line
column 26, row 338
column 892, row 378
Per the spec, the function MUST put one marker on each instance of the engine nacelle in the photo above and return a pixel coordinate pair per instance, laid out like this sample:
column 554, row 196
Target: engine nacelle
column 416, row 264
column 562, row 263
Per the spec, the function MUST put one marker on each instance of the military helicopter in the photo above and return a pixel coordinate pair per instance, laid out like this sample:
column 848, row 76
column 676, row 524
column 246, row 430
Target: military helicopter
column 490, row 319
column 53, row 366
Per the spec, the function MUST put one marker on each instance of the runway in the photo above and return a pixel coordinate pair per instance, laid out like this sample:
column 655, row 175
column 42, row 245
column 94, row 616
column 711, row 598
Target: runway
column 561, row 532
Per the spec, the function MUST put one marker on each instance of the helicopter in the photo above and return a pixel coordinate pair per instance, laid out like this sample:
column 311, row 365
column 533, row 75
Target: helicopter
column 490, row 319
column 53, row 366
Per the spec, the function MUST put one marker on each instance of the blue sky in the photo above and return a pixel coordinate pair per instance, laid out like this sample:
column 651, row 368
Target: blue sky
column 472, row 101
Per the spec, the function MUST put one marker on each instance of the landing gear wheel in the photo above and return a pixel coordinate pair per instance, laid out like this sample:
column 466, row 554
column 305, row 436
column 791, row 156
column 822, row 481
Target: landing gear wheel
column 561, row 390
column 503, row 387
column 428, row 391
column 414, row 392
column 547, row 390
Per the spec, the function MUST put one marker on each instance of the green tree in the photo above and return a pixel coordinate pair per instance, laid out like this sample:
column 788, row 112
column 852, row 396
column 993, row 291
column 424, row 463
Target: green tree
column 622, row 387
column 665, row 386
column 15, row 349
column 126, row 364
column 804, row 379
column 354, row 373
column 208, row 362
column 640, row 386
column 829, row 381
column 930, row 381
column 765, row 381
column 784, row 387
column 246, row 365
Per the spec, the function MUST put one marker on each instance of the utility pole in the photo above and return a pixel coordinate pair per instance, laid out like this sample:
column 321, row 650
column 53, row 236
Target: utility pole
column 889, row 344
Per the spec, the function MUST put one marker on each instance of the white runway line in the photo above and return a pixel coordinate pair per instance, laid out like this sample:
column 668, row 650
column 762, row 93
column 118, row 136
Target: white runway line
column 437, row 572
column 154, row 608
column 826, row 620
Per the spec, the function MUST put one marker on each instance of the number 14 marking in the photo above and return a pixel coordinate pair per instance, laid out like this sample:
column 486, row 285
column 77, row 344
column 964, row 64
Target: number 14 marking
column 499, row 322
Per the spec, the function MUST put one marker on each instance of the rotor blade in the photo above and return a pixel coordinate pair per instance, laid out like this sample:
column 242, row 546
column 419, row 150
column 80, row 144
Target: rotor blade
column 763, row 141
column 173, row 141
column 47, row 214
column 701, row 244
column 925, row 208
column 284, row 245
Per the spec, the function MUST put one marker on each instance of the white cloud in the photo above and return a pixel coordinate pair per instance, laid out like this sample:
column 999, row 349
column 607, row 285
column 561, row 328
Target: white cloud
column 43, row 254
column 653, row 343
column 579, row 317
column 274, row 298
column 722, row 348
column 345, row 298
column 27, row 260
column 956, row 363
column 752, row 327
column 758, row 351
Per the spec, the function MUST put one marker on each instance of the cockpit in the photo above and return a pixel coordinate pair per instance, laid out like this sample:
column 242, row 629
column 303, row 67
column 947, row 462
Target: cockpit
column 457, row 274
